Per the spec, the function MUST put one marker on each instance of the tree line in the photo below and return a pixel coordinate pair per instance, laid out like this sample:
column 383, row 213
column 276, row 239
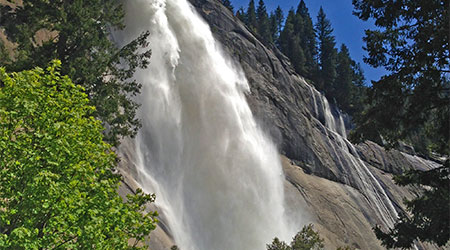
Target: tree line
column 312, row 50
column 411, row 103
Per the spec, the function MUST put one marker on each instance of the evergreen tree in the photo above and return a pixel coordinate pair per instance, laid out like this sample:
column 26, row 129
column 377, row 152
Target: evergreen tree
column 80, row 37
column 344, row 79
column 287, row 33
column 228, row 4
column 251, row 20
column 358, row 91
column 290, row 42
column 241, row 15
column 412, row 43
column 276, row 24
column 327, row 53
column 263, row 23
column 308, row 40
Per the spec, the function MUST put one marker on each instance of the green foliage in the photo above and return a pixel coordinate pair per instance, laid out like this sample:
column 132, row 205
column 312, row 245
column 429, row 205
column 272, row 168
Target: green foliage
column 430, row 220
column 263, row 23
column 278, row 245
column 308, row 40
column 306, row 239
column 250, row 17
column 411, row 103
column 79, row 35
column 56, row 186
column 328, row 53
column 276, row 24
column 343, row 83
column 241, row 15
column 4, row 55
column 412, row 43
column 290, row 41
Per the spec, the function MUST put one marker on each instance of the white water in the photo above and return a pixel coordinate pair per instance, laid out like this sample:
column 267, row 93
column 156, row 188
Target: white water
column 217, row 178
column 358, row 173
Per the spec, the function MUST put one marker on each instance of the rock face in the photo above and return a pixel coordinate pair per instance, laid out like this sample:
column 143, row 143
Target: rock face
column 348, row 189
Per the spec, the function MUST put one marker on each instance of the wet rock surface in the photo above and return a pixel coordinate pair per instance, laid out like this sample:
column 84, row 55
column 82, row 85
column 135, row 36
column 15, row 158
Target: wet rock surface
column 319, row 163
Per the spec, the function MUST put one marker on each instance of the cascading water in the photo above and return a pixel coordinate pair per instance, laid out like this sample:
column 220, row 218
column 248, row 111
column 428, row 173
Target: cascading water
column 359, row 175
column 217, row 177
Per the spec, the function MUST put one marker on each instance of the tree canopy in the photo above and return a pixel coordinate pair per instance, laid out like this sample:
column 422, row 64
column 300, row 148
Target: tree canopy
column 412, row 43
column 56, row 185
column 79, row 34
column 306, row 239
column 411, row 103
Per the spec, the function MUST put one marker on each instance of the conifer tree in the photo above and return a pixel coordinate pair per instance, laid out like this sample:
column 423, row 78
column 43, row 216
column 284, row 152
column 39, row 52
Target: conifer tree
column 251, row 20
column 276, row 24
column 327, row 53
column 290, row 42
column 411, row 42
column 263, row 23
column 308, row 40
column 241, row 15
column 343, row 83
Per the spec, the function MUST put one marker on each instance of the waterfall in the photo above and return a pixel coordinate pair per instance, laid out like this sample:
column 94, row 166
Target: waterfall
column 217, row 177
column 358, row 173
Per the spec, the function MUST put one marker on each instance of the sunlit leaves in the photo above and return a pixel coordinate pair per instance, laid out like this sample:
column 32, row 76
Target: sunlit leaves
column 56, row 186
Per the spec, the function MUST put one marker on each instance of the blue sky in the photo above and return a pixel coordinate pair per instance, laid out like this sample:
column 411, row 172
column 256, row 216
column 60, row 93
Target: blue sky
column 348, row 28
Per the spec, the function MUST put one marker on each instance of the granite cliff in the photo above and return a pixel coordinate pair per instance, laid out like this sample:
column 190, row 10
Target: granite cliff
column 347, row 188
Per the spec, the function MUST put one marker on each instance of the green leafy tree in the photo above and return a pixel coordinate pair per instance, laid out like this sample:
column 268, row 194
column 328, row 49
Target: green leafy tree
column 78, row 33
column 56, row 185
column 327, row 53
column 228, row 4
column 4, row 55
column 263, row 23
column 306, row 239
column 412, row 43
column 278, row 245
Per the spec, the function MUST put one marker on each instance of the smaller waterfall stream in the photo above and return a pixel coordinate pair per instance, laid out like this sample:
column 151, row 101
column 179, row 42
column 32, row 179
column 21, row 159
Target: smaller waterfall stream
column 359, row 174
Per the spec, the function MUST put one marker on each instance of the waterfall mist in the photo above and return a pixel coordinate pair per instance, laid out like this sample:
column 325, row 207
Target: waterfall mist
column 217, row 177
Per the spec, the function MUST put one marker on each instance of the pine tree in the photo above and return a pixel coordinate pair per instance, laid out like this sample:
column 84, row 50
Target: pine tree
column 263, row 23
column 241, row 15
column 290, row 43
column 358, row 91
column 276, row 24
column 343, row 83
column 308, row 40
column 412, row 43
column 251, row 20
column 287, row 33
column 327, row 53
